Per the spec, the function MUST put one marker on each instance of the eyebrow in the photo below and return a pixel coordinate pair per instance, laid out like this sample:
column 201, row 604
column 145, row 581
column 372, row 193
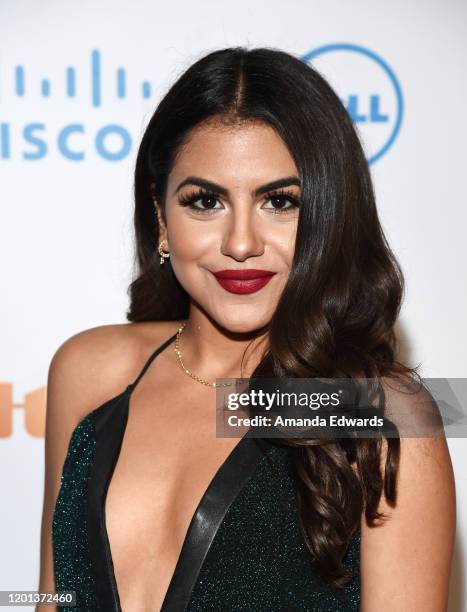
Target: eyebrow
column 210, row 185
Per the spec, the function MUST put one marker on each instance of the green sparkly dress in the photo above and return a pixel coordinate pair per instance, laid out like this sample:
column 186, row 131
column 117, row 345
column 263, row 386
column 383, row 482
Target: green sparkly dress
column 243, row 551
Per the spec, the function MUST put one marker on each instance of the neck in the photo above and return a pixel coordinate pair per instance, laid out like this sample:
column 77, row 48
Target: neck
column 210, row 351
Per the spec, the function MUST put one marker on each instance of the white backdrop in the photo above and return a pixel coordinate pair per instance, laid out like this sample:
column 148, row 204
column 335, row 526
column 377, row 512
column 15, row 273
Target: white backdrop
column 67, row 151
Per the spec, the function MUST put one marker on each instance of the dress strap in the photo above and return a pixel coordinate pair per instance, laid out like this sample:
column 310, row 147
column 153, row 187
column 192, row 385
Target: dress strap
column 158, row 350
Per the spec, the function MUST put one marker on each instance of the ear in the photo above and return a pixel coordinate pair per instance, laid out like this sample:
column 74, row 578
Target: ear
column 162, row 226
column 158, row 210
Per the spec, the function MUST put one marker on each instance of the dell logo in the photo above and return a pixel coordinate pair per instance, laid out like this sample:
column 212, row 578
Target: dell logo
column 369, row 90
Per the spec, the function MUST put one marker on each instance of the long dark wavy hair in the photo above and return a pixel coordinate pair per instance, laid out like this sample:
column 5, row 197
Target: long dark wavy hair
column 336, row 315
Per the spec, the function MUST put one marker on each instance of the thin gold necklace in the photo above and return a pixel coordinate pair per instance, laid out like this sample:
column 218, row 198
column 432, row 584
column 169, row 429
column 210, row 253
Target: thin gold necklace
column 187, row 371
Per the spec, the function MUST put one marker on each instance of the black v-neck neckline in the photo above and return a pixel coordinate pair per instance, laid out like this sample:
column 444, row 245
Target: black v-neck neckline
column 226, row 485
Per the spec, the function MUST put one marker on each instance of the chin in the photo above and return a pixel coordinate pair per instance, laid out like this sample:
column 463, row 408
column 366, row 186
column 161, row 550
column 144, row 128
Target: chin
column 245, row 324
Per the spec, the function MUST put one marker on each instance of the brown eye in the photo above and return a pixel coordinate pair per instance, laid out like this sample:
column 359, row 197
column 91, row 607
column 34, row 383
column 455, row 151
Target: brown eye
column 208, row 200
column 283, row 202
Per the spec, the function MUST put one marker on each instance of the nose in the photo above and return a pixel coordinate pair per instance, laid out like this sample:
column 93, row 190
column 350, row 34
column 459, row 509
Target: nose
column 243, row 236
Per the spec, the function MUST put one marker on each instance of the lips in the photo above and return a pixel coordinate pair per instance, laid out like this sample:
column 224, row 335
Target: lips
column 243, row 281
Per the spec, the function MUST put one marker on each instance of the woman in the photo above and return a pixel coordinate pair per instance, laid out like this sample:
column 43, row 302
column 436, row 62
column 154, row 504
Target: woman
column 250, row 165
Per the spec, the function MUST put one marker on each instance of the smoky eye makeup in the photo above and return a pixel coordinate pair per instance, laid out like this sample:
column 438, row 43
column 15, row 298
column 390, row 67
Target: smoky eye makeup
column 286, row 198
column 208, row 198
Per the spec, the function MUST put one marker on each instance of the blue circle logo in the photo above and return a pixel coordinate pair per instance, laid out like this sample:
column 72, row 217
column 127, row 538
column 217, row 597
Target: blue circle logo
column 371, row 92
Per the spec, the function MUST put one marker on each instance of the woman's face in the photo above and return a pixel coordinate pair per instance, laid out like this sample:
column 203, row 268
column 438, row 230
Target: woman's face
column 237, row 222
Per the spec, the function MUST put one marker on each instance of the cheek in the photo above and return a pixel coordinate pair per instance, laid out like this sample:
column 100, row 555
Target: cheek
column 192, row 246
column 188, row 244
column 188, row 239
column 282, row 242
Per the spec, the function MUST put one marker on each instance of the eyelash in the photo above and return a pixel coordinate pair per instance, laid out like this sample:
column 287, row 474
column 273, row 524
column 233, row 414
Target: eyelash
column 190, row 198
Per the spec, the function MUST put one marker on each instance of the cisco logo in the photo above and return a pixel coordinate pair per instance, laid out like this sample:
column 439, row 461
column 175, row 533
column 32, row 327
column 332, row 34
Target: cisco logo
column 369, row 90
column 365, row 83
column 34, row 140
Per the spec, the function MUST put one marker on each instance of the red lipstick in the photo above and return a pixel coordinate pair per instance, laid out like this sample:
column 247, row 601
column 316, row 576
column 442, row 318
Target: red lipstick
column 243, row 281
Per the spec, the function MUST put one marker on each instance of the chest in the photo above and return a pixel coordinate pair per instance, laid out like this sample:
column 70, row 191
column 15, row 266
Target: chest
column 165, row 464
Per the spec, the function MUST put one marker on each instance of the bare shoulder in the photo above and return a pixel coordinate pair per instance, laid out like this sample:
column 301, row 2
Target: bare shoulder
column 87, row 369
column 412, row 408
column 97, row 364
column 417, row 537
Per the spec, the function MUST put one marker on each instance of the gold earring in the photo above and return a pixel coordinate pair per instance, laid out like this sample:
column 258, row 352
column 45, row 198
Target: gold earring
column 163, row 254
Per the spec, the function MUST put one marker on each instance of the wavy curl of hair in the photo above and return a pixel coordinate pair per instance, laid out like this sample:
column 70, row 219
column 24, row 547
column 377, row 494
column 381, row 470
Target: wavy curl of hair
column 345, row 286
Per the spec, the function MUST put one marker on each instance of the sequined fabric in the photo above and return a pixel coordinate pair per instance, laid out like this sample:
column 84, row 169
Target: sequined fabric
column 258, row 561
column 69, row 529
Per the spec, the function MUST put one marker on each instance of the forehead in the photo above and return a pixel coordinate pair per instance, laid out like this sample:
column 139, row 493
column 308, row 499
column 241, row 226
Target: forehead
column 250, row 153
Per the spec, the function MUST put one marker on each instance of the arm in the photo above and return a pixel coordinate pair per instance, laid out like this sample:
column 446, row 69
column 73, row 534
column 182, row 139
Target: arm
column 61, row 418
column 406, row 559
